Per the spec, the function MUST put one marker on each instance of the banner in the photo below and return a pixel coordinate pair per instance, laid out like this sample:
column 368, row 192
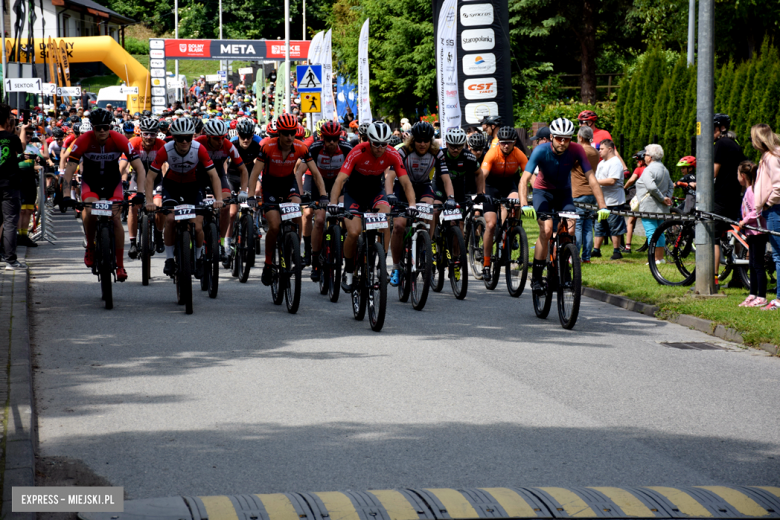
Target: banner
column 483, row 55
column 51, row 59
column 65, row 64
column 282, row 79
column 315, row 58
column 364, row 103
column 346, row 98
column 326, row 56
column 234, row 49
column 447, row 67
column 259, row 85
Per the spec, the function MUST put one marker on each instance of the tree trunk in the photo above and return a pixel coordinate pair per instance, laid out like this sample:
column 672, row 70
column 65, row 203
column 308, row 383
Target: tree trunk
column 588, row 53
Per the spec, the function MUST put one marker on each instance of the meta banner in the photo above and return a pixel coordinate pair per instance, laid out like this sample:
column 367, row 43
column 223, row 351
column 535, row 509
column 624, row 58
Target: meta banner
column 234, row 49
column 484, row 85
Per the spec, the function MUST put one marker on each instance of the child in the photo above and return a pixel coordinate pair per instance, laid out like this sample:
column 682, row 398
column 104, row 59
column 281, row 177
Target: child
column 757, row 241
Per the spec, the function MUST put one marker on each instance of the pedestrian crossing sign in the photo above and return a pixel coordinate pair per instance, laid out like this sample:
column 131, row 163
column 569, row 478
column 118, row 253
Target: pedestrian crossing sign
column 310, row 102
column 309, row 78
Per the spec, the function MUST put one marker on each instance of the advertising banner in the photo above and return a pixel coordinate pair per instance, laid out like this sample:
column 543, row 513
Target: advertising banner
column 346, row 97
column 447, row 66
column 328, row 105
column 315, row 57
column 233, row 49
column 364, row 103
column 259, row 85
column 283, row 80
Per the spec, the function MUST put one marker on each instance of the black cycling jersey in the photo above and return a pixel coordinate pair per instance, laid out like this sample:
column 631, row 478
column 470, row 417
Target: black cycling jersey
column 462, row 170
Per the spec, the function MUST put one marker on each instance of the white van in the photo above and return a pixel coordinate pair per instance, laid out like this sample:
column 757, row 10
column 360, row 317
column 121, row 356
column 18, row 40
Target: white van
column 111, row 95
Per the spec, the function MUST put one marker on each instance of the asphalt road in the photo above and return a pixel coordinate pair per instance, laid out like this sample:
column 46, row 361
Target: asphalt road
column 242, row 397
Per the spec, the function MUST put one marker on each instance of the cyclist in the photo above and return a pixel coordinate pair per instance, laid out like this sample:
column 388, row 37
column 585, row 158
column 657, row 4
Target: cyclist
column 276, row 162
column 422, row 159
column 147, row 146
column 552, row 187
column 464, row 168
column 180, row 185
column 687, row 167
column 129, row 129
column 248, row 146
column 364, row 167
column 589, row 118
column 329, row 154
column 491, row 125
column 101, row 180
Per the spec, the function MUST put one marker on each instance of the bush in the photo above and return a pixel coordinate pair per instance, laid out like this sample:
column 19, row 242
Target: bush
column 572, row 108
column 134, row 46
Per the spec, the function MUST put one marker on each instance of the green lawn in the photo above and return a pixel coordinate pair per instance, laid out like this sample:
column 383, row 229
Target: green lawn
column 630, row 277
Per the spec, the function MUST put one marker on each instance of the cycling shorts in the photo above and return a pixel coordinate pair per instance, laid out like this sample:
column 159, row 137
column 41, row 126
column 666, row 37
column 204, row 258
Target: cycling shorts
column 234, row 182
column 279, row 189
column 354, row 203
column 28, row 192
column 175, row 193
column 421, row 190
column 548, row 200
column 311, row 186
column 102, row 193
column 501, row 187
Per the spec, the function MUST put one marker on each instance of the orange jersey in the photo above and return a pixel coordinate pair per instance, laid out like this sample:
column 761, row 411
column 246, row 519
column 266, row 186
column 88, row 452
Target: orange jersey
column 274, row 165
column 497, row 164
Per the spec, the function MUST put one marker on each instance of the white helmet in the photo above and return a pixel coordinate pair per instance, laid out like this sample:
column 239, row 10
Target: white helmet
column 215, row 127
column 562, row 127
column 86, row 126
column 379, row 133
column 455, row 136
column 182, row 126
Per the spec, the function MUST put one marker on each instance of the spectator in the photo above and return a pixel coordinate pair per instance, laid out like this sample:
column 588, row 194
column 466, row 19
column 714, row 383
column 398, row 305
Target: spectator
column 11, row 147
column 756, row 241
column 588, row 118
column 630, row 189
column 580, row 188
column 654, row 190
column 609, row 175
column 767, row 191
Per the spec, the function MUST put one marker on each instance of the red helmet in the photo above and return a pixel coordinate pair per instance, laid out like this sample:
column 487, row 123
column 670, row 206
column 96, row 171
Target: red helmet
column 587, row 115
column 331, row 129
column 287, row 122
column 233, row 124
column 300, row 132
column 270, row 128
column 688, row 160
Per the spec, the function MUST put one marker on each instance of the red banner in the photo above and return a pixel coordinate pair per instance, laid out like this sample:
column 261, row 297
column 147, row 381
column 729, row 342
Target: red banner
column 299, row 49
column 187, row 48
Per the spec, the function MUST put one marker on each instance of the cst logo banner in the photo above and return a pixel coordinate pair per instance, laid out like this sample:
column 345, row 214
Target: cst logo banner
column 481, row 88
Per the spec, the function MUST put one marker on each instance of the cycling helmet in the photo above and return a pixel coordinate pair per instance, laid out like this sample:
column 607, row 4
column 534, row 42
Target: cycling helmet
column 245, row 127
column 306, row 133
column 146, row 113
column 492, row 120
column 507, row 133
column 353, row 124
column 101, row 116
column 259, row 131
column 183, row 126
column 395, row 141
column 286, row 122
column 149, row 124
column 137, row 114
column 57, row 133
column 233, row 124
column 137, row 130
column 270, row 128
column 164, row 126
column 330, row 128
column 587, row 115
column 561, row 127
column 215, row 127
column 86, row 126
column 300, row 132
column 319, row 125
column 198, row 126
column 128, row 127
column 688, row 160
column 363, row 128
column 422, row 131
column 75, row 119
column 456, row 136
column 379, row 133
column 722, row 120
column 77, row 128
column 639, row 156
column 477, row 141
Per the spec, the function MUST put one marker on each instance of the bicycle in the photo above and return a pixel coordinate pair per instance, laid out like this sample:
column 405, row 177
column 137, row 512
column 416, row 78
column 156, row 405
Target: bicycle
column 369, row 284
column 450, row 257
column 417, row 257
column 241, row 255
column 331, row 257
column 510, row 249
column 286, row 262
column 562, row 273
column 210, row 257
column 146, row 243
column 474, row 230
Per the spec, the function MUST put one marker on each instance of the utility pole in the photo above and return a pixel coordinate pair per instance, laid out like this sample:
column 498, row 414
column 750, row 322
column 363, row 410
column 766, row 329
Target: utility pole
column 5, row 58
column 691, row 30
column 176, row 35
column 221, row 62
column 705, row 182
column 304, row 20
column 286, row 80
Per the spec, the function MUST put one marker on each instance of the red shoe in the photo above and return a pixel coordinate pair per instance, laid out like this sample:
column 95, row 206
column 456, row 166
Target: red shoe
column 121, row 274
column 89, row 257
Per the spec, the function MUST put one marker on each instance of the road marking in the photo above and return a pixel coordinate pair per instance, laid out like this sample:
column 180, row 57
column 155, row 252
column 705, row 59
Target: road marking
column 396, row 505
column 740, row 501
column 513, row 504
column 684, row 502
column 456, row 504
column 630, row 504
column 570, row 502
column 278, row 507
column 339, row 505
column 219, row 508
column 774, row 490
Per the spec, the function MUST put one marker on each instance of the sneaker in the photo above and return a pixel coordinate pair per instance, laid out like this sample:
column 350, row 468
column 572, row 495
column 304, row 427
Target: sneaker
column 643, row 248
column 199, row 268
column 121, row 274
column 596, row 253
column 657, row 262
column 626, row 250
column 757, row 302
column 222, row 253
column 772, row 306
column 268, row 275
column 315, row 274
column 26, row 241
column 89, row 257
column 748, row 300
column 395, row 277
column 16, row 264
column 536, row 285
column 159, row 245
column 133, row 251
column 170, row 267
column 616, row 256
column 456, row 273
column 486, row 275
column 585, row 262
column 348, row 287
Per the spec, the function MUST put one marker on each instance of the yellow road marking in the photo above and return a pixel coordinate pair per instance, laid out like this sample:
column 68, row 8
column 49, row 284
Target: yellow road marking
column 740, row 501
column 219, row 508
column 513, row 504
column 396, row 505
column 570, row 502
column 278, row 507
column 339, row 505
column 456, row 504
column 774, row 490
column 684, row 502
column 630, row 504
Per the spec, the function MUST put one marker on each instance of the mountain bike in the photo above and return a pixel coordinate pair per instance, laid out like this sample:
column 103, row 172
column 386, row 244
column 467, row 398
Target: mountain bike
column 242, row 252
column 146, row 244
column 450, row 257
column 474, row 230
column 417, row 257
column 331, row 257
column 210, row 257
column 510, row 249
column 286, row 263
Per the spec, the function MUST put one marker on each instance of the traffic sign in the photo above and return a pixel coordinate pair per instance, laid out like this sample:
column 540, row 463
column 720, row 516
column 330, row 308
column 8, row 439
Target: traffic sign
column 310, row 102
column 309, row 78
column 23, row 85
column 69, row 91
column 222, row 74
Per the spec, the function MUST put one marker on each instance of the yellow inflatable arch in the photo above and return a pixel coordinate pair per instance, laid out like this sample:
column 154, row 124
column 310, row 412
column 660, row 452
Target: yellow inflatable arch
column 106, row 50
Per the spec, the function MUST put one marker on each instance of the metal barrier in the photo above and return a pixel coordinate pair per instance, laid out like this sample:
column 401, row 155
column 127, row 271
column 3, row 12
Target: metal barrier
column 45, row 230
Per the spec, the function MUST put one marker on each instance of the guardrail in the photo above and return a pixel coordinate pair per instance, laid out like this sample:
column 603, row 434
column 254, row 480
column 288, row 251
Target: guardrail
column 45, row 229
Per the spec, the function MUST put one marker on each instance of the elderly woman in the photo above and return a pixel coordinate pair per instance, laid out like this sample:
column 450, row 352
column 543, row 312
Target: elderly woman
column 654, row 190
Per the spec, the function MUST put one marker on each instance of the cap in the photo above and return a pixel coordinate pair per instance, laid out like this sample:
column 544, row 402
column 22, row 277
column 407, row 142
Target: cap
column 543, row 132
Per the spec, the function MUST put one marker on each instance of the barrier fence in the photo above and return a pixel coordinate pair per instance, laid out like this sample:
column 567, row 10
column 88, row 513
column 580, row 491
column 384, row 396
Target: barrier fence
column 45, row 228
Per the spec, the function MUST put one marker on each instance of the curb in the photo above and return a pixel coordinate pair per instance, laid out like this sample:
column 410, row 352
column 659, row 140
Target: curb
column 686, row 320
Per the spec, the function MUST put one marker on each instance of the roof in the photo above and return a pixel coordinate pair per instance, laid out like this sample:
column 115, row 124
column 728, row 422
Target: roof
column 89, row 4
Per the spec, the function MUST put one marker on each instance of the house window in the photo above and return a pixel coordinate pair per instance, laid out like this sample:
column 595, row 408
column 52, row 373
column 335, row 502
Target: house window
column 65, row 24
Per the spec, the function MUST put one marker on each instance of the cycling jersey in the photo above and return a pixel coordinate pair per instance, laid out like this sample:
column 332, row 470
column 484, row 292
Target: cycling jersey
column 68, row 141
column 218, row 156
column 55, row 151
column 101, row 161
column 365, row 171
column 146, row 156
column 248, row 155
column 421, row 168
column 497, row 164
column 461, row 168
column 181, row 168
column 554, row 169
column 275, row 165
column 329, row 163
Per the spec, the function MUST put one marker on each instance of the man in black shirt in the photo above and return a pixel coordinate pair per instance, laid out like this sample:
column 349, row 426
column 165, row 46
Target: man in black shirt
column 11, row 146
column 727, row 191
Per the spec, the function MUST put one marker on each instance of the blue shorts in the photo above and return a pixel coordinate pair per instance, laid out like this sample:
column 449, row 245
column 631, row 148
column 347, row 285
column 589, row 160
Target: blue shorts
column 545, row 201
column 614, row 226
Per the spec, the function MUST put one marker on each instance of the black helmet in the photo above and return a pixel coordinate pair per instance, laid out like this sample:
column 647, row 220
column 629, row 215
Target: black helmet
column 198, row 125
column 164, row 125
column 492, row 120
column 423, row 131
column 77, row 128
column 75, row 119
column 394, row 141
column 101, row 116
column 507, row 133
column 146, row 113
column 477, row 141
column 245, row 126
column 722, row 120
column 57, row 133
column 640, row 155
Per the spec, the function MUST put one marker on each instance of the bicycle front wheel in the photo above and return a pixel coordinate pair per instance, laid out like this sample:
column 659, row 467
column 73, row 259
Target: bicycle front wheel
column 377, row 287
column 212, row 260
column 678, row 264
column 106, row 267
column 359, row 291
column 475, row 230
column 184, row 276
column 333, row 263
column 292, row 272
column 542, row 297
column 569, row 286
column 277, row 283
column 439, row 267
column 246, row 247
column 458, row 272
column 517, row 261
column 421, row 274
column 146, row 248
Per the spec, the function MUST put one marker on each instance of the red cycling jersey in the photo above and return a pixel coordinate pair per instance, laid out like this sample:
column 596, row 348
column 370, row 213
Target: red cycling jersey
column 146, row 156
column 68, row 141
column 276, row 166
column 181, row 168
column 101, row 161
column 365, row 170
column 218, row 156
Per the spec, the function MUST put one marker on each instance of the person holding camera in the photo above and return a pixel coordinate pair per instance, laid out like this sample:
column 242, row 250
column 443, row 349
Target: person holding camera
column 11, row 147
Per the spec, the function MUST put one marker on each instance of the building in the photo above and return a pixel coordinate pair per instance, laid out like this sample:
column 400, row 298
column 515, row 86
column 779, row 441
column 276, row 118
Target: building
column 66, row 18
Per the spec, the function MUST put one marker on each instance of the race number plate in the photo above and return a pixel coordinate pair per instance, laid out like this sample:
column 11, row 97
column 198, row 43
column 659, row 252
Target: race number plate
column 477, row 207
column 102, row 208
column 184, row 212
column 375, row 220
column 209, row 201
column 451, row 214
column 290, row 210
column 568, row 215
column 425, row 211
column 244, row 205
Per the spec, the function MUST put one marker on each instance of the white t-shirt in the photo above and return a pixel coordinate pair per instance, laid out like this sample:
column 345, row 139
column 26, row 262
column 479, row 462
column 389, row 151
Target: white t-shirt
column 612, row 169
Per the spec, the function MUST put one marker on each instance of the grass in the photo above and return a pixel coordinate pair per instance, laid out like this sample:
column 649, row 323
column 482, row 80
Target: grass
column 630, row 277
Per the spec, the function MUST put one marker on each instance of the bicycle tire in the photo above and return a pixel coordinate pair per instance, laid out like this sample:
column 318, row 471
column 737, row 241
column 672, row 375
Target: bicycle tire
column 476, row 251
column 292, row 291
column 146, row 249
column 234, row 258
column 324, row 282
column 246, row 247
column 457, row 268
column 676, row 269
column 277, row 284
column 421, row 276
column 204, row 280
column 517, row 261
column 359, row 292
column 569, row 286
column 736, row 270
column 542, row 299
column 377, row 290
column 212, row 266
column 405, row 279
column 184, row 277
column 333, row 259
column 106, row 267
column 495, row 264
column 439, row 266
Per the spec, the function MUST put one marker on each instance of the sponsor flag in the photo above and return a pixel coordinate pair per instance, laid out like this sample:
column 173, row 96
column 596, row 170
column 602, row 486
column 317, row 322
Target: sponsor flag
column 447, row 66
column 282, row 79
column 364, row 103
column 315, row 58
column 65, row 64
column 346, row 97
column 259, row 84
column 326, row 57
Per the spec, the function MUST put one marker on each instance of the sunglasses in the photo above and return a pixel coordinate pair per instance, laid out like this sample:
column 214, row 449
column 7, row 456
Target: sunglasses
column 378, row 145
column 182, row 138
column 506, row 143
column 455, row 146
column 562, row 139
column 287, row 133
column 422, row 140
column 330, row 139
column 148, row 134
column 103, row 128
column 245, row 136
